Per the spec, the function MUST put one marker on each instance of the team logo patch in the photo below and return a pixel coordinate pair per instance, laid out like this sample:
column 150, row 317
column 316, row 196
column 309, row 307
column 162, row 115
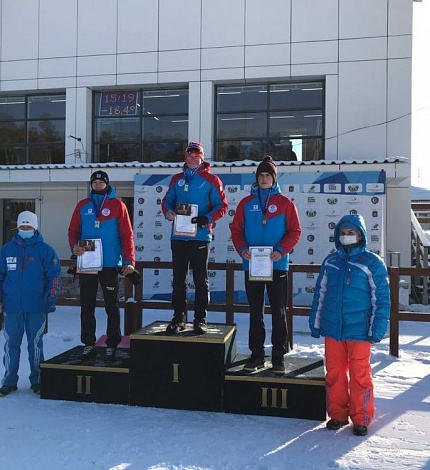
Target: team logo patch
column 272, row 208
column 181, row 182
column 106, row 212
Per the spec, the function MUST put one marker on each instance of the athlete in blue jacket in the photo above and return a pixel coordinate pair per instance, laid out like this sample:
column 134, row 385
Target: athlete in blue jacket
column 266, row 218
column 351, row 308
column 194, row 186
column 29, row 283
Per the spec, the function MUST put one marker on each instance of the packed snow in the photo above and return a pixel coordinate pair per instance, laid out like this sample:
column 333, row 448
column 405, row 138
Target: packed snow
column 41, row 434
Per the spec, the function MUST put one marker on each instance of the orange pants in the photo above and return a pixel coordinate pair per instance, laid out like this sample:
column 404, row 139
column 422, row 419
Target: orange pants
column 349, row 394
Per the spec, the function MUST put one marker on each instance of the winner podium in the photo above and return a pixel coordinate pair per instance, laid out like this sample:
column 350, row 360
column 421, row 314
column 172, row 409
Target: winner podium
column 184, row 371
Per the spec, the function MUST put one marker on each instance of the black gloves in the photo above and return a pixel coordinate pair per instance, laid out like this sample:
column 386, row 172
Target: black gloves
column 201, row 221
column 134, row 277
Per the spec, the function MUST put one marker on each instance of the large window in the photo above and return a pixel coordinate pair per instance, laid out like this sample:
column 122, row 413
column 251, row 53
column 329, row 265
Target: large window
column 143, row 126
column 284, row 120
column 32, row 129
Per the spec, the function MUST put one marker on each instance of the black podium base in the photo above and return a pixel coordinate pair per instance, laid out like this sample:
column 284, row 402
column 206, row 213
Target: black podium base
column 184, row 371
column 299, row 393
column 65, row 377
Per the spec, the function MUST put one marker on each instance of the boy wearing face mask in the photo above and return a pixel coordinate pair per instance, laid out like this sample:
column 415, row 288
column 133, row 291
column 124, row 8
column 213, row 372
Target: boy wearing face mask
column 350, row 308
column 29, row 282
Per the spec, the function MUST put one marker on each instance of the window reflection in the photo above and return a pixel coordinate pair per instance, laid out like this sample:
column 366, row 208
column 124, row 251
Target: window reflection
column 285, row 120
column 28, row 120
column 157, row 131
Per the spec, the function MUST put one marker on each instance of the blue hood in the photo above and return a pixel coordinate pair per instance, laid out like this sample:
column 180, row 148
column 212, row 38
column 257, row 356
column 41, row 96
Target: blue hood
column 358, row 222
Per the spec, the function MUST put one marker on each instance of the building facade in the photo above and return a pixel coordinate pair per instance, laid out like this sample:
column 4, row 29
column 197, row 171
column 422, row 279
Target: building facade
column 124, row 84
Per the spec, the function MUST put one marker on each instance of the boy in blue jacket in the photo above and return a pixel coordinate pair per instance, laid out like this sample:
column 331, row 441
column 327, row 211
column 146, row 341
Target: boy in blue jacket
column 29, row 282
column 351, row 308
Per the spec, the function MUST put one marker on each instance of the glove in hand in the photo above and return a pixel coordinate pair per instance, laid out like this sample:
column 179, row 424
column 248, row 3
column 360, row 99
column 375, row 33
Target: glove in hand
column 201, row 221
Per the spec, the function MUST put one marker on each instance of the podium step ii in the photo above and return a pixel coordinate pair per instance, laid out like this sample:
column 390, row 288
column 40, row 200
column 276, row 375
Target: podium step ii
column 65, row 377
column 184, row 371
column 299, row 393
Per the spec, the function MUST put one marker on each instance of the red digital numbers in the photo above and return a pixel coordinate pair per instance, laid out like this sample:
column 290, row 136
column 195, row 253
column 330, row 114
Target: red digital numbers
column 118, row 104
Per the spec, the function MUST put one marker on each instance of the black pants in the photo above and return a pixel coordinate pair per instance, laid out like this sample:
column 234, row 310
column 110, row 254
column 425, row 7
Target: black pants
column 194, row 254
column 277, row 293
column 108, row 278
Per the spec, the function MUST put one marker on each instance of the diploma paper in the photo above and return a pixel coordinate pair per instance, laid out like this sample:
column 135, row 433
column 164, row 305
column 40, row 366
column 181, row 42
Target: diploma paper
column 92, row 260
column 182, row 223
column 260, row 264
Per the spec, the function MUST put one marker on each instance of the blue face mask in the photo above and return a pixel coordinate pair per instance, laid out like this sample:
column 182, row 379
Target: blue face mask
column 25, row 233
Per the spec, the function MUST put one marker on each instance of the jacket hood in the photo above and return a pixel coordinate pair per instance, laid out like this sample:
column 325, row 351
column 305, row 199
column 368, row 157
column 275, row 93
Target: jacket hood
column 276, row 189
column 36, row 238
column 111, row 194
column 358, row 222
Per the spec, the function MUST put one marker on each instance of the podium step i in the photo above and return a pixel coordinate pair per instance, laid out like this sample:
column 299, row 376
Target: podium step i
column 65, row 377
column 184, row 371
column 299, row 393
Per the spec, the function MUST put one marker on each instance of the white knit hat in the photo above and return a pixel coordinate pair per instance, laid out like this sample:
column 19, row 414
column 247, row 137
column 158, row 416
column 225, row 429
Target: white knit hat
column 27, row 218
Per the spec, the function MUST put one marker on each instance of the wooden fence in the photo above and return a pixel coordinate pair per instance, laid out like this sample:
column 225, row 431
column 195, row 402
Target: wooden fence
column 135, row 304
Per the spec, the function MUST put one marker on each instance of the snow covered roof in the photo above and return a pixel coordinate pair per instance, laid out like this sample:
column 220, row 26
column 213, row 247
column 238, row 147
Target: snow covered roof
column 240, row 163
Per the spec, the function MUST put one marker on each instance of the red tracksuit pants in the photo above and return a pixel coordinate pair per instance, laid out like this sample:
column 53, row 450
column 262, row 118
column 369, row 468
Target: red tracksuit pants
column 349, row 386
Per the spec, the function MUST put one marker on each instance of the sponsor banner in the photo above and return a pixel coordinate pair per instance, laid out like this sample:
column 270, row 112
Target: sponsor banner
column 321, row 199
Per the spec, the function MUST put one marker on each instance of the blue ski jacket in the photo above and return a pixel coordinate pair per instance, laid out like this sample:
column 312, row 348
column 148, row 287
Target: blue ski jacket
column 198, row 187
column 279, row 227
column 352, row 295
column 29, row 275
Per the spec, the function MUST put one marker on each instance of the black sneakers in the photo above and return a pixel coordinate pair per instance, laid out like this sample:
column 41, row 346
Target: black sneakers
column 88, row 353
column 200, row 327
column 359, row 430
column 110, row 355
column 278, row 366
column 254, row 363
column 6, row 389
column 177, row 324
column 36, row 389
column 334, row 424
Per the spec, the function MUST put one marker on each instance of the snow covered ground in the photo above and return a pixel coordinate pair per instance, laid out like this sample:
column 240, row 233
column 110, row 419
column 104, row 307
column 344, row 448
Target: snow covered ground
column 43, row 434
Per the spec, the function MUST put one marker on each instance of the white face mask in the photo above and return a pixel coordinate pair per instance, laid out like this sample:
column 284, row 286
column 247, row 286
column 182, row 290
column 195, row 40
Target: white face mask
column 348, row 239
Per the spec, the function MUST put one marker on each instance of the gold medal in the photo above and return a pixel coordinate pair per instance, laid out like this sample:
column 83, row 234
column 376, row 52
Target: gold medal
column 264, row 221
column 97, row 224
column 186, row 187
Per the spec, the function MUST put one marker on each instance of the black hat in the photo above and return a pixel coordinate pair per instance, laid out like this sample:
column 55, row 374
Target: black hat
column 100, row 175
column 267, row 166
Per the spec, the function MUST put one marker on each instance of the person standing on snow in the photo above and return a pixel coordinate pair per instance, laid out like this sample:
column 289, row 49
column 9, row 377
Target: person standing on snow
column 29, row 283
column 350, row 308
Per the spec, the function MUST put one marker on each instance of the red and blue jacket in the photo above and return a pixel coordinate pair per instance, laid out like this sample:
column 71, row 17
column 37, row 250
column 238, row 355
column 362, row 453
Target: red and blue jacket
column 266, row 218
column 29, row 275
column 104, row 217
column 198, row 187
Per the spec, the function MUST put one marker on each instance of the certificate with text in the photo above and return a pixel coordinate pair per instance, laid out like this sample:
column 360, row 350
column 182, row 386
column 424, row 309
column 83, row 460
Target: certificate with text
column 182, row 223
column 260, row 264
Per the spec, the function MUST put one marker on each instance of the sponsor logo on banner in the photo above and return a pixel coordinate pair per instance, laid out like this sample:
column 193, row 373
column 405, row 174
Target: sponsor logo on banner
column 141, row 200
column 311, row 188
column 331, row 225
column 333, row 213
column 139, row 234
column 375, row 200
column 332, row 200
column 374, row 238
column 353, row 212
column 312, row 200
column 232, row 189
column 311, row 225
column 375, row 187
column 310, row 238
column 353, row 188
column 375, row 227
column 332, row 188
column 159, row 189
column 311, row 213
column 158, row 236
column 309, row 289
column 354, row 200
